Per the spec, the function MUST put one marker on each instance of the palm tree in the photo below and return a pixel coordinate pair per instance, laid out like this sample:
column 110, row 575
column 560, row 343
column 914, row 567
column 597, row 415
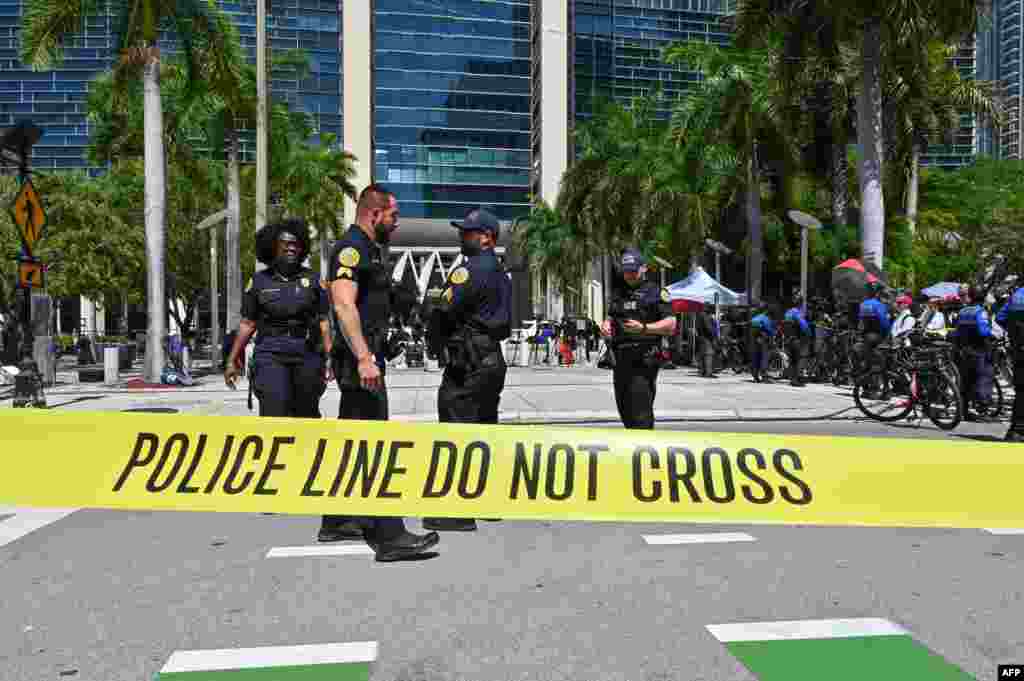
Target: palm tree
column 49, row 24
column 737, row 104
column 874, row 28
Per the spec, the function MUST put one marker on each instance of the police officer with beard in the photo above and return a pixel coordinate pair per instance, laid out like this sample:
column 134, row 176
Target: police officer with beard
column 1011, row 318
column 467, row 325
column 361, row 293
column 640, row 315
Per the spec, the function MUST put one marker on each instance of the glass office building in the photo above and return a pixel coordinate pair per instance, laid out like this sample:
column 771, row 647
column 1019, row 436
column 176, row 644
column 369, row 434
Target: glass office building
column 451, row 105
column 1000, row 48
column 55, row 100
column 964, row 145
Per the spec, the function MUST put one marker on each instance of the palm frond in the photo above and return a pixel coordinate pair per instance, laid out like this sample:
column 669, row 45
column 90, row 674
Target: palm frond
column 46, row 27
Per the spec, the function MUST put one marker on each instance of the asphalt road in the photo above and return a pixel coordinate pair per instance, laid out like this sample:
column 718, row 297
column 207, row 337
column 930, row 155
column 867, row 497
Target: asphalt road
column 108, row 596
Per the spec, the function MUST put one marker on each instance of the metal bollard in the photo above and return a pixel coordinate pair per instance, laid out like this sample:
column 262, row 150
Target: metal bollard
column 111, row 363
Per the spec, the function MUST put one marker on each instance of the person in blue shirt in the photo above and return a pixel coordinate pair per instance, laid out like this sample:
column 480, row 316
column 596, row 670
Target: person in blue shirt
column 798, row 332
column 973, row 337
column 876, row 324
column 1011, row 318
column 763, row 328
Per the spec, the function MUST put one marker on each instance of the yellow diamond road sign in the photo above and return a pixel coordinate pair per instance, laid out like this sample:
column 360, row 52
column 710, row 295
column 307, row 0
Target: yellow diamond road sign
column 28, row 214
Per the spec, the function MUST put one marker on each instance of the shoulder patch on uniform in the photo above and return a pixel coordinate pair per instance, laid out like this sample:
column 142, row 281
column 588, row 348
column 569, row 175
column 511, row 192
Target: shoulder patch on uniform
column 345, row 271
column 349, row 257
column 460, row 276
column 665, row 296
column 248, row 287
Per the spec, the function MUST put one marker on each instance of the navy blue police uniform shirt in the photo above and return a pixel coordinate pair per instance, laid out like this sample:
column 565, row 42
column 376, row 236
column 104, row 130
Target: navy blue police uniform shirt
column 479, row 293
column 648, row 303
column 277, row 303
column 357, row 258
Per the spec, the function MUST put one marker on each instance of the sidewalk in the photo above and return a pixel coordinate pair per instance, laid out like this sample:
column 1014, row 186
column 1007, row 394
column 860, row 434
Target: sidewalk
column 532, row 395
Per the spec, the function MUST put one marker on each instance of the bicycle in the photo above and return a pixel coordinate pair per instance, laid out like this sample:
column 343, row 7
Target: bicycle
column 909, row 383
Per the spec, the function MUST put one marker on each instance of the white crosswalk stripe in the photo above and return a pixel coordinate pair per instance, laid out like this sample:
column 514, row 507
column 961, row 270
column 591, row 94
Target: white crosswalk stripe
column 26, row 520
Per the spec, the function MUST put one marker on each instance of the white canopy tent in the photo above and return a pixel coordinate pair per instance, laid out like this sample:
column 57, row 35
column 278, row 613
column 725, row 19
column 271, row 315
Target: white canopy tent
column 701, row 287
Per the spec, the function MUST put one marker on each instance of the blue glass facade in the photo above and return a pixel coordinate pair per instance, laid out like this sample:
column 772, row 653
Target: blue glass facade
column 617, row 46
column 1000, row 48
column 451, row 97
column 961, row 152
column 55, row 100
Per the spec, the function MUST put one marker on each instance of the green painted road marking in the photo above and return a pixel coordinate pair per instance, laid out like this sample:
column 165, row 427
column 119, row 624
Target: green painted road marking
column 839, row 650
column 325, row 662
column 356, row 671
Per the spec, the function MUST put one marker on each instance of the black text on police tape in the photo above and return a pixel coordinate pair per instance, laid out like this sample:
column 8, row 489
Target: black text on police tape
column 365, row 469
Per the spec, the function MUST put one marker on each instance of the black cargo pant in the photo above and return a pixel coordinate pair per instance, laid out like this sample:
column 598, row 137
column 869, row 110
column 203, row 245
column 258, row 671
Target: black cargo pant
column 366, row 405
column 796, row 347
column 471, row 394
column 976, row 374
column 1017, row 419
column 636, row 384
column 289, row 384
column 706, row 358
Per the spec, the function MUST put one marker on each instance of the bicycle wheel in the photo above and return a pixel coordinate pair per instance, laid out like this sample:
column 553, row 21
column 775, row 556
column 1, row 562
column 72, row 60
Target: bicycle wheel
column 884, row 395
column 943, row 404
column 778, row 363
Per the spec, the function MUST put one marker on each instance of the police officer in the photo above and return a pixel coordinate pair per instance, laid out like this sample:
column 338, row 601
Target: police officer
column 707, row 333
column 1011, row 318
column 286, row 307
column 973, row 338
column 467, row 325
column 763, row 328
column 876, row 325
column 361, row 294
column 641, row 315
column 798, row 332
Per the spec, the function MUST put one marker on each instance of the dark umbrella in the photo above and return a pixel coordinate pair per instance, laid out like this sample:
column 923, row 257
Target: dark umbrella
column 851, row 277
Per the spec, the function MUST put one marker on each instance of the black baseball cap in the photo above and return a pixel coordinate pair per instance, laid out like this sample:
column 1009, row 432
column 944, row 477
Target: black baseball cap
column 479, row 220
column 632, row 260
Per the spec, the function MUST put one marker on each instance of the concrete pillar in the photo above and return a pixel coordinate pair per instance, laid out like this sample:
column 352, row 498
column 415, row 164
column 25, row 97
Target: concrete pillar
column 101, row 319
column 87, row 316
column 110, row 365
column 357, row 91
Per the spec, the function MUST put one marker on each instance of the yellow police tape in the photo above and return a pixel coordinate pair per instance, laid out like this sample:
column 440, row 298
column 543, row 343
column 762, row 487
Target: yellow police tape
column 306, row 466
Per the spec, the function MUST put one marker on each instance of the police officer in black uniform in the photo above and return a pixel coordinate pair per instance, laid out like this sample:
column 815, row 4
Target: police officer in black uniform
column 640, row 315
column 467, row 325
column 707, row 334
column 286, row 307
column 361, row 293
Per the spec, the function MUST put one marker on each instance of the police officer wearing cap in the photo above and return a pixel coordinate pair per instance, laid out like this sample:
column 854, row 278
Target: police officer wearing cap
column 973, row 338
column 361, row 293
column 286, row 307
column 1011, row 318
column 798, row 334
column 468, row 322
column 641, row 314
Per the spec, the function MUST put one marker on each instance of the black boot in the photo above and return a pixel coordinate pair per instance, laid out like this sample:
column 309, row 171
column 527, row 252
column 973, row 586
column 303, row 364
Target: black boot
column 403, row 547
column 450, row 524
column 339, row 530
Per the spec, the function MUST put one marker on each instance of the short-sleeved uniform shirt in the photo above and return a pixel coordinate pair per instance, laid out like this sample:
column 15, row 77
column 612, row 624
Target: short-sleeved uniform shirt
column 478, row 294
column 359, row 259
column 647, row 303
column 276, row 302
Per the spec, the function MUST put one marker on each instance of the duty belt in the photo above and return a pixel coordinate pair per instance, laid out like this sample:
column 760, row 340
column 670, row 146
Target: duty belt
column 293, row 332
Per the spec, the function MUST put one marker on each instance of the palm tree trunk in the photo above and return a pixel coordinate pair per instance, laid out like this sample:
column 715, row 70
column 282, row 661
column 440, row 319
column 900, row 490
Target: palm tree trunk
column 839, row 173
column 913, row 186
column 232, row 232
column 870, row 138
column 156, row 189
column 754, row 225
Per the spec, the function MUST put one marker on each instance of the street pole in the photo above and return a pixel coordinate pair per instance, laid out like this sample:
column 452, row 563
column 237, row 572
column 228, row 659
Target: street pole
column 803, row 269
column 211, row 223
column 806, row 222
column 261, row 114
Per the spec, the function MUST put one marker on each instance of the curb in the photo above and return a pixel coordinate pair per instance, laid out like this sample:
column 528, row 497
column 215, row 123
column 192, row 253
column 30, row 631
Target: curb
column 710, row 416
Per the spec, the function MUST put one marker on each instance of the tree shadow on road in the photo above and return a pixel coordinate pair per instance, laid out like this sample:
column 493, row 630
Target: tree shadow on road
column 87, row 398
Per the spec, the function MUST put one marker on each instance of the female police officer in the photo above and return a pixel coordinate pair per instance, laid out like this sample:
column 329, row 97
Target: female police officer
column 288, row 308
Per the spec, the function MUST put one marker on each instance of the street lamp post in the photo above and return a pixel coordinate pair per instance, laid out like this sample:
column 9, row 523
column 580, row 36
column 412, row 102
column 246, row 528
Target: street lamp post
column 211, row 223
column 806, row 222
